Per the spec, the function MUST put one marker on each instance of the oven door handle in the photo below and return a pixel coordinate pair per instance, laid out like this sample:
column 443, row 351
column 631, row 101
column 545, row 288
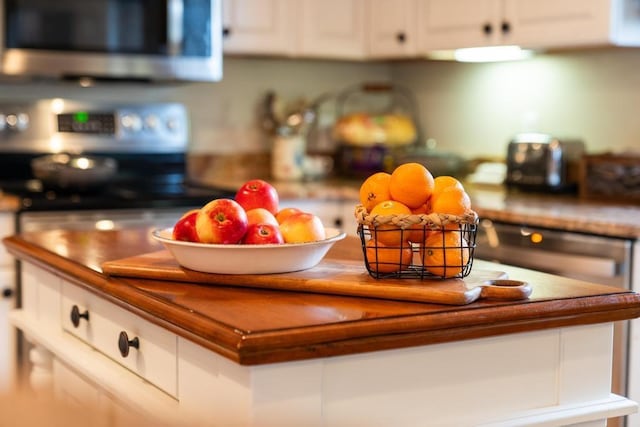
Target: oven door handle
column 556, row 262
column 175, row 26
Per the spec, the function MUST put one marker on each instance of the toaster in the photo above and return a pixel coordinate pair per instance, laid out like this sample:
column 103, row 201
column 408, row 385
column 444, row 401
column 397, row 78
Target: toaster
column 538, row 161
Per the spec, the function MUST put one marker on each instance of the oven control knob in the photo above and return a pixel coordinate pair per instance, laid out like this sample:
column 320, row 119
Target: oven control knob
column 173, row 124
column 17, row 122
column 151, row 122
column 131, row 122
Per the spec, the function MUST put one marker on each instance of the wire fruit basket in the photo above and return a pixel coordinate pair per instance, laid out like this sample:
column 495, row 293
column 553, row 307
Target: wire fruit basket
column 417, row 246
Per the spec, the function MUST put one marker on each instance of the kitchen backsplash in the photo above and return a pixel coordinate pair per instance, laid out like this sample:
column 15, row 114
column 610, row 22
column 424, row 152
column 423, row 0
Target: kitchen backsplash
column 469, row 109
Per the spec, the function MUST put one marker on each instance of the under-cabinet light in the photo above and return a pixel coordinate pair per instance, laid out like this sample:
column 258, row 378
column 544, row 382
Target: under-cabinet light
column 482, row 54
column 492, row 54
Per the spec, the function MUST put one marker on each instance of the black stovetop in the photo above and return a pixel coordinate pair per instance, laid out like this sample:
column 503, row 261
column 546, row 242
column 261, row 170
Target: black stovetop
column 118, row 195
column 143, row 181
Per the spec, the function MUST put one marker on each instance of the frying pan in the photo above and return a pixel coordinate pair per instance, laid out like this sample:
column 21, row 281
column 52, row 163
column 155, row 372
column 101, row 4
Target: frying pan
column 74, row 172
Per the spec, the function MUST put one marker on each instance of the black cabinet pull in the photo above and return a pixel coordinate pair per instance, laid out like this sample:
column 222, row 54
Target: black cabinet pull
column 76, row 315
column 401, row 37
column 487, row 29
column 506, row 27
column 124, row 343
column 7, row 293
column 226, row 32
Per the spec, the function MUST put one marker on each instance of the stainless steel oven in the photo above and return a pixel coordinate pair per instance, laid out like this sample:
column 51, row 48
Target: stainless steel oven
column 150, row 188
column 112, row 39
column 593, row 258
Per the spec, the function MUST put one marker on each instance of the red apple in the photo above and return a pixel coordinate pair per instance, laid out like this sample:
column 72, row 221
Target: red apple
column 185, row 227
column 261, row 216
column 221, row 221
column 260, row 234
column 302, row 227
column 257, row 193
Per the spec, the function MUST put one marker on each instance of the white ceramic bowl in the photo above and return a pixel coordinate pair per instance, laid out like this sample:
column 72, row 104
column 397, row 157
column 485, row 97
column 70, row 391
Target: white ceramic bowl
column 248, row 259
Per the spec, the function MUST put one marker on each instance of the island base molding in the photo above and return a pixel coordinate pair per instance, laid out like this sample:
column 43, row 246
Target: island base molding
column 549, row 377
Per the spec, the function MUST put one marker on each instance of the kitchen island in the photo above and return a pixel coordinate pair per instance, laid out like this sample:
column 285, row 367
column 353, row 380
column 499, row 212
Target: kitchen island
column 183, row 353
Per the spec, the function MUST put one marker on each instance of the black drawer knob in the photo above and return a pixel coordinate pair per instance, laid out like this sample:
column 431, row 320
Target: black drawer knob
column 487, row 29
column 7, row 293
column 505, row 27
column 401, row 37
column 76, row 315
column 124, row 343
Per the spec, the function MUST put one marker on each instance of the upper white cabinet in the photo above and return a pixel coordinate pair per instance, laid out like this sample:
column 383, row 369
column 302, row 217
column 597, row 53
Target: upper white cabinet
column 379, row 29
column 259, row 27
column 449, row 24
column 306, row 28
column 392, row 28
column 553, row 23
column 332, row 29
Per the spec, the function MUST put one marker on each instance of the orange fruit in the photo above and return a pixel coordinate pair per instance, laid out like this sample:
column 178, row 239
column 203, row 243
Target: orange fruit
column 389, row 233
column 445, row 253
column 411, row 184
column 444, row 181
column 386, row 259
column 425, row 208
column 375, row 189
column 451, row 200
column 417, row 232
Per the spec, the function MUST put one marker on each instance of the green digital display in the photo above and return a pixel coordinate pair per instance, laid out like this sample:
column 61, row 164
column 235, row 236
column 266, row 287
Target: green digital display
column 94, row 122
column 81, row 117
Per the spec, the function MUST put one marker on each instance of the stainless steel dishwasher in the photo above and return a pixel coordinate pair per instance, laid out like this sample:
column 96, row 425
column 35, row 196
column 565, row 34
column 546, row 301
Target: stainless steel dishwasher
column 593, row 258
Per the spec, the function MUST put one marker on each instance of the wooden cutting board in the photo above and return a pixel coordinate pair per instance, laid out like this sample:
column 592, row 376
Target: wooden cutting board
column 330, row 276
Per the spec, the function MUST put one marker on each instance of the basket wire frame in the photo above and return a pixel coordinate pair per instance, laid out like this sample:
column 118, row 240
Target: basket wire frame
column 382, row 262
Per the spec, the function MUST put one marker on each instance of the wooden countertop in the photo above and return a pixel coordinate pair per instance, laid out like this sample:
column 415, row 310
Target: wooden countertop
column 252, row 326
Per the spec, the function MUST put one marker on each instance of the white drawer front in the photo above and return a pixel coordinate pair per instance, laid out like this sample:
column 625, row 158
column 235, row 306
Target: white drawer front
column 41, row 293
column 101, row 324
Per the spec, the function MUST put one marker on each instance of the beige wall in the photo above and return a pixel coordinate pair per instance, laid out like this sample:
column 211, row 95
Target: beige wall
column 471, row 109
column 474, row 109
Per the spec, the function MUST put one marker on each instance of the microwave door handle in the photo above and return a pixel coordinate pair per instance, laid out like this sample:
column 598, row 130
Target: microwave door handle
column 175, row 24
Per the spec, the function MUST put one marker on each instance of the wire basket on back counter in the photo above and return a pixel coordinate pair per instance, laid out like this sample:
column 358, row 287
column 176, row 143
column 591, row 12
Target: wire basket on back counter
column 417, row 246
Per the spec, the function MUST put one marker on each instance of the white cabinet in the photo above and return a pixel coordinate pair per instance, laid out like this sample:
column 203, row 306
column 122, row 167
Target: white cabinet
column 7, row 303
column 392, row 28
column 84, row 364
column 552, row 23
column 143, row 348
column 332, row 29
column 450, row 24
column 265, row 27
column 381, row 29
column 307, row 28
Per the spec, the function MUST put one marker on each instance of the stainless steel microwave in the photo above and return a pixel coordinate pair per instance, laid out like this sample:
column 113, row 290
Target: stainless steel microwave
column 147, row 40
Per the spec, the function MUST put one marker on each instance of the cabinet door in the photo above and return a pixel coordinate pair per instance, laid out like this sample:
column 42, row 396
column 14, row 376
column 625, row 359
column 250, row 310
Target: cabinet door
column 332, row 29
column 451, row 24
column 7, row 332
column 259, row 27
column 80, row 394
column 392, row 28
column 552, row 23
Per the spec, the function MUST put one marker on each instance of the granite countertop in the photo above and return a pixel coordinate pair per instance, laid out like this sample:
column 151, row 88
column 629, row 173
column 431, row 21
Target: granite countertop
column 565, row 212
column 559, row 211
